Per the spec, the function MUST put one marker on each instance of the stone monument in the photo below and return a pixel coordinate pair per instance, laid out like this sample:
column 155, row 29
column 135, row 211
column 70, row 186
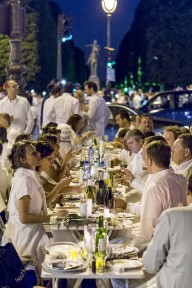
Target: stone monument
column 93, row 62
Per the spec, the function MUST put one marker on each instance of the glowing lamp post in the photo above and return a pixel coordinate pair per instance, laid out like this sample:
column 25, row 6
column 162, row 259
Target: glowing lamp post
column 109, row 7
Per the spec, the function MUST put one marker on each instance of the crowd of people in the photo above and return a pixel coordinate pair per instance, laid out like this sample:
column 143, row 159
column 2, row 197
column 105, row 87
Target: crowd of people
column 156, row 168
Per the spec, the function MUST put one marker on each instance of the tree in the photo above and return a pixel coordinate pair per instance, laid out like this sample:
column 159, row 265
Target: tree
column 4, row 52
column 161, row 35
column 38, row 44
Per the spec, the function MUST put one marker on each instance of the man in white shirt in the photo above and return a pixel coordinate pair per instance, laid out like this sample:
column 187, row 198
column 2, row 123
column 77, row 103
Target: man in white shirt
column 48, row 104
column 136, row 167
column 134, row 141
column 64, row 106
column 146, row 124
column 5, row 121
column 122, row 119
column 163, row 189
column 182, row 155
column 169, row 252
column 171, row 133
column 18, row 107
column 5, row 179
column 98, row 112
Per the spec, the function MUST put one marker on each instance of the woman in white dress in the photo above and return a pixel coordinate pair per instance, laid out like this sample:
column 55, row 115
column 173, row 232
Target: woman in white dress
column 51, row 186
column 27, row 205
column 70, row 133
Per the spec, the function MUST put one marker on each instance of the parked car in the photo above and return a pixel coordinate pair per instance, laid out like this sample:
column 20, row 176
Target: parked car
column 111, row 129
column 175, row 105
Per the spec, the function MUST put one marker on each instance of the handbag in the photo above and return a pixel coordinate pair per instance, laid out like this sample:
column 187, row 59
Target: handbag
column 12, row 270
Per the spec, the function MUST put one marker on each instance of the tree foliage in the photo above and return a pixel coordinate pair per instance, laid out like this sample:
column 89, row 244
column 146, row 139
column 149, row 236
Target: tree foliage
column 4, row 59
column 162, row 36
column 38, row 44
column 39, row 47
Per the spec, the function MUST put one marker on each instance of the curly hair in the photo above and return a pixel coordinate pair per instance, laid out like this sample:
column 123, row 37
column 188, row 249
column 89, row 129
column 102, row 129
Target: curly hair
column 49, row 138
column 18, row 151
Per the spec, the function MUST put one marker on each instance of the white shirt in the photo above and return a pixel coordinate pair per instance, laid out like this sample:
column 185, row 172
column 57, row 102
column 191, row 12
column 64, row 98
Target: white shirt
column 169, row 252
column 63, row 107
column 182, row 168
column 116, row 135
column 2, row 204
column 11, row 135
column 136, row 166
column 20, row 109
column 5, row 180
column 137, row 101
column 163, row 190
column 125, row 156
column 48, row 104
column 28, row 239
column 98, row 114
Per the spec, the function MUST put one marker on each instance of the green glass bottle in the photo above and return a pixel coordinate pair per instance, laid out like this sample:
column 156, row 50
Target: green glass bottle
column 101, row 237
column 90, row 190
column 109, row 198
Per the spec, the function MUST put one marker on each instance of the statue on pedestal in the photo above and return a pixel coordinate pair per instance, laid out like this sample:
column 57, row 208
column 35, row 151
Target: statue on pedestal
column 93, row 57
column 93, row 61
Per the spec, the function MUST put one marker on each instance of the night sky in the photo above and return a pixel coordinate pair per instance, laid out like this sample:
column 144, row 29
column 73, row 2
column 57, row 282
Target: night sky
column 89, row 22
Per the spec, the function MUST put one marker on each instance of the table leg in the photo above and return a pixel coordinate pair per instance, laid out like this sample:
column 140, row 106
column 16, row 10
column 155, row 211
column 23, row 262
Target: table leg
column 104, row 283
column 127, row 283
column 78, row 283
column 55, row 283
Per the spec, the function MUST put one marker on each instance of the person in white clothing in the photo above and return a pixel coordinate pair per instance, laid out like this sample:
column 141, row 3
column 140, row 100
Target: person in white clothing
column 70, row 135
column 134, row 141
column 5, row 180
column 146, row 124
column 27, row 205
column 98, row 113
column 136, row 101
column 171, row 133
column 18, row 108
column 125, row 156
column 169, row 252
column 123, row 120
column 163, row 189
column 48, row 104
column 64, row 106
column 138, row 183
column 5, row 121
column 136, row 168
column 182, row 155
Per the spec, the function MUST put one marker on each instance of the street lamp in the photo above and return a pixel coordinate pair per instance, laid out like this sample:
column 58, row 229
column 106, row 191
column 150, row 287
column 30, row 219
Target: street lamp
column 109, row 7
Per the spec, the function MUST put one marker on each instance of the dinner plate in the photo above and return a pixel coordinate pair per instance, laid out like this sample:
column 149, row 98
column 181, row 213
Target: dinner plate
column 125, row 264
column 49, row 268
column 125, row 215
column 58, row 246
column 119, row 249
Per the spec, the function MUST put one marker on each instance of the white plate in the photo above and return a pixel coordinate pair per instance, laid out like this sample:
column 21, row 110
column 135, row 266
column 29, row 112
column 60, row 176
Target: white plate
column 48, row 267
column 123, row 250
column 57, row 246
column 125, row 264
column 125, row 215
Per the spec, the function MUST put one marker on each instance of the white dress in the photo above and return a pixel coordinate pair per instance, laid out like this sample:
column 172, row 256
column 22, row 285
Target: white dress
column 28, row 239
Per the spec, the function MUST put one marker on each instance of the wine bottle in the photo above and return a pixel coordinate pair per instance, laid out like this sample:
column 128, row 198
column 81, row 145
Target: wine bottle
column 101, row 237
column 90, row 197
column 90, row 190
column 109, row 199
column 101, row 190
column 82, row 158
